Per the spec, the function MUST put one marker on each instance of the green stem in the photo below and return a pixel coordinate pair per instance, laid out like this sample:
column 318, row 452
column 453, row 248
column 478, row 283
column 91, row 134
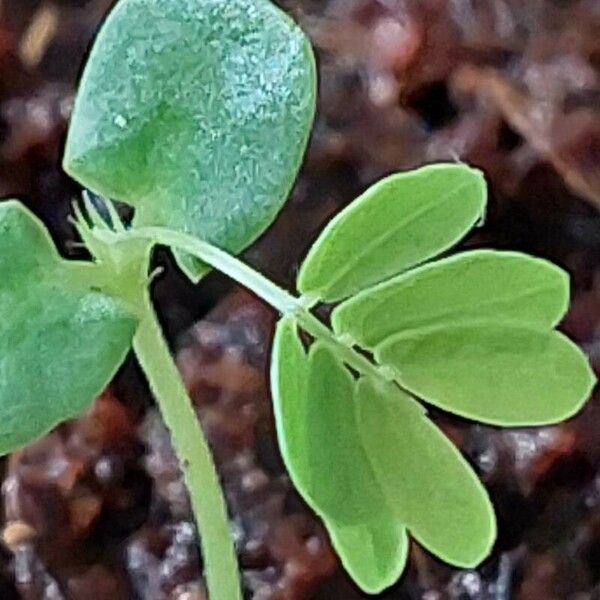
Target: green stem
column 224, row 262
column 263, row 287
column 194, row 456
column 351, row 357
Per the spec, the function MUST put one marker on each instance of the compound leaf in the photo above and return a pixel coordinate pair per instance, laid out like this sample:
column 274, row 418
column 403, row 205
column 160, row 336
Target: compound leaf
column 316, row 425
column 399, row 222
column 471, row 285
column 60, row 342
column 498, row 373
column 427, row 482
column 197, row 113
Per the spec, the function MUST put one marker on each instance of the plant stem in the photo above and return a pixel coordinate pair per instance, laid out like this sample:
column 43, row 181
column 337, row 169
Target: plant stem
column 194, row 456
column 263, row 287
column 351, row 357
column 224, row 262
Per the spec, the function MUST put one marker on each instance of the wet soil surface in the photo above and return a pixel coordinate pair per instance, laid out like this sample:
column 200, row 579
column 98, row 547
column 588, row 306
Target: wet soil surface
column 97, row 509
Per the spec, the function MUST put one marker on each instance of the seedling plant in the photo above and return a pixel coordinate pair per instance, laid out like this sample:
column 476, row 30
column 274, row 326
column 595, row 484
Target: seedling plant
column 196, row 114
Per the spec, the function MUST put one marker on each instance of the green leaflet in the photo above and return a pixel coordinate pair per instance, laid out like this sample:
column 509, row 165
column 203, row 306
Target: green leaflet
column 399, row 222
column 333, row 443
column 429, row 485
column 499, row 373
column 481, row 284
column 196, row 112
column 374, row 553
column 289, row 382
column 313, row 398
column 60, row 342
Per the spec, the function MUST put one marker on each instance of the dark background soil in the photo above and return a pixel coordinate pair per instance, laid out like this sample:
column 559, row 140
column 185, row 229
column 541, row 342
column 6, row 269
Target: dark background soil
column 97, row 510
